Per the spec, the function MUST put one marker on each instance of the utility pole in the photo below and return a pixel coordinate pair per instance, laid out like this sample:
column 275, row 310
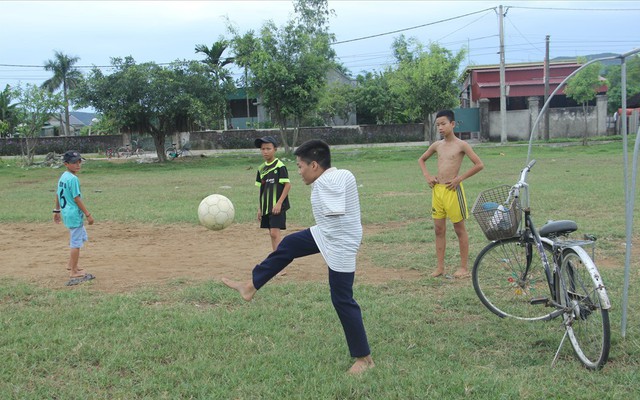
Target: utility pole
column 546, row 89
column 503, row 86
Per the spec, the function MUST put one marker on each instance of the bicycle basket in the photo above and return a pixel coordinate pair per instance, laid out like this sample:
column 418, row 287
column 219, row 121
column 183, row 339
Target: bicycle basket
column 497, row 219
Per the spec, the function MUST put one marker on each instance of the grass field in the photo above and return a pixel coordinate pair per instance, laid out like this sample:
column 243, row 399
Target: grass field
column 430, row 337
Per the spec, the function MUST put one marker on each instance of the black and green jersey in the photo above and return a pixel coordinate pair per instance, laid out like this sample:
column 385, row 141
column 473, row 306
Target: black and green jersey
column 271, row 179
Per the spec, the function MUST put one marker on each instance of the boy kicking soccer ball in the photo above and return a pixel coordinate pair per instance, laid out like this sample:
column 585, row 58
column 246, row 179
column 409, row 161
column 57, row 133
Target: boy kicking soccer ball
column 336, row 235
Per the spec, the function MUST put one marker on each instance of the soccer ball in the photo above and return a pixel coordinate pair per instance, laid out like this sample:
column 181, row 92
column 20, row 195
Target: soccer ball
column 216, row 212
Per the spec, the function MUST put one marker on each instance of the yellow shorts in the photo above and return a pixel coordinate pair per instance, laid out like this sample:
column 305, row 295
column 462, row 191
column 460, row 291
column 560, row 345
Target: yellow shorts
column 449, row 203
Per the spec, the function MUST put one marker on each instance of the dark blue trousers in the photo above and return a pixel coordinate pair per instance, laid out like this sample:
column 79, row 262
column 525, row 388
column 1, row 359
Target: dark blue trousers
column 300, row 244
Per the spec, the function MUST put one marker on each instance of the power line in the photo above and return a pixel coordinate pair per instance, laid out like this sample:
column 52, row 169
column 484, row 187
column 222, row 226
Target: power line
column 413, row 27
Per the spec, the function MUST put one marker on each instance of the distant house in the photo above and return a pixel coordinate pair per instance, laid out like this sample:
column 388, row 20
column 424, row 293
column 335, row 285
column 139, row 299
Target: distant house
column 77, row 120
column 522, row 82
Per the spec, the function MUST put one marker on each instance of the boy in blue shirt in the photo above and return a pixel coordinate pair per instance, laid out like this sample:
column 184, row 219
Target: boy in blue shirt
column 70, row 206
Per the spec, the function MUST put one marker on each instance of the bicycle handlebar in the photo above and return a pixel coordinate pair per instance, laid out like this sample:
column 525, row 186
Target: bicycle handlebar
column 522, row 184
column 525, row 171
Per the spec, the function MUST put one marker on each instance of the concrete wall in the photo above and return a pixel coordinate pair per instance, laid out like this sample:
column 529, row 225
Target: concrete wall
column 566, row 122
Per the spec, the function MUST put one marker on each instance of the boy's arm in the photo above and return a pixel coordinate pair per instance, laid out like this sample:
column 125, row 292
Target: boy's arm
column 478, row 165
column 56, row 211
column 259, row 185
column 431, row 180
column 82, row 207
column 285, row 192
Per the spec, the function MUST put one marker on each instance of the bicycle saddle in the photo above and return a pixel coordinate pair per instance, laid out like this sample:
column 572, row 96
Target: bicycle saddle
column 557, row 228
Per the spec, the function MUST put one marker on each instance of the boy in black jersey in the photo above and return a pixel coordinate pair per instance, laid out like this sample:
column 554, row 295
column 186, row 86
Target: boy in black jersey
column 273, row 180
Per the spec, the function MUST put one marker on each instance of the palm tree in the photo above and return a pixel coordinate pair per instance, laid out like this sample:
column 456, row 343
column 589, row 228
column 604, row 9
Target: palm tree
column 65, row 76
column 214, row 59
column 216, row 64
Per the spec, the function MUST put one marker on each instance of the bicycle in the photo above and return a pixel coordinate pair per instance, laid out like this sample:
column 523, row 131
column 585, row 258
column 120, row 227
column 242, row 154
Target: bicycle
column 534, row 275
column 128, row 150
column 173, row 152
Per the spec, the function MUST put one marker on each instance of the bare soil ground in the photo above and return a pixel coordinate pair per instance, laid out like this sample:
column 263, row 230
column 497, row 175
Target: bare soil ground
column 126, row 257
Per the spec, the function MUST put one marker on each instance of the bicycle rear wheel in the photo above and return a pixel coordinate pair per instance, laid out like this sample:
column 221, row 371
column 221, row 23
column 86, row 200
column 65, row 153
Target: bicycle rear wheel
column 508, row 274
column 587, row 323
column 123, row 152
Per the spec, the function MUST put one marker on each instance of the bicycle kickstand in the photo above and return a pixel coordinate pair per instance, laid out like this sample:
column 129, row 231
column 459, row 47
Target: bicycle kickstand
column 555, row 359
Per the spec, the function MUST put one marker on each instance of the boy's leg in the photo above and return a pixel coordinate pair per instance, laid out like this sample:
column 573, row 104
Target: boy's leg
column 276, row 224
column 276, row 238
column 295, row 245
column 440, row 228
column 274, row 233
column 463, row 240
column 74, row 256
column 76, row 240
column 341, row 285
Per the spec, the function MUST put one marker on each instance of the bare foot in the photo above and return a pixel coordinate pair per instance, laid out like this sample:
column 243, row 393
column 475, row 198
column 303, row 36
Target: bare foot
column 362, row 364
column 79, row 269
column 438, row 272
column 245, row 289
column 282, row 273
column 461, row 273
column 77, row 274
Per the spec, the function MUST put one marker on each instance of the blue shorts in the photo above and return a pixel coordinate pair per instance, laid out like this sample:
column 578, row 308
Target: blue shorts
column 78, row 237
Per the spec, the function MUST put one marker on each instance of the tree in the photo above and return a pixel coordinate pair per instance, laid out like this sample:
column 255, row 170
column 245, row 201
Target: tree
column 7, row 111
column 289, row 65
column 336, row 100
column 613, row 75
column 152, row 99
column 216, row 67
column 34, row 108
column 425, row 80
column 243, row 47
column 374, row 101
column 583, row 88
column 65, row 76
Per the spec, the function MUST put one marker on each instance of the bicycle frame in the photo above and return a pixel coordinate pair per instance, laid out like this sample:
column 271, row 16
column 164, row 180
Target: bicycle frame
column 531, row 235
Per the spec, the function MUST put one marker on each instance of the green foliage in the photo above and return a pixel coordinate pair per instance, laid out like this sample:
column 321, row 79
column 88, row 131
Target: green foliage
column 288, row 65
column 425, row 80
column 8, row 117
column 34, row 108
column 614, row 78
column 336, row 100
column 375, row 102
column 583, row 88
column 156, row 100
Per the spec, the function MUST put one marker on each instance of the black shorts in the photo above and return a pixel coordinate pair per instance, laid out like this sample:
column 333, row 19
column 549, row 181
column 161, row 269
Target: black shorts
column 274, row 221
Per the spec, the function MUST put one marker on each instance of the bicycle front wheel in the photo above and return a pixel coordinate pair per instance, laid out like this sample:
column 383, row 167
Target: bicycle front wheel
column 508, row 274
column 582, row 291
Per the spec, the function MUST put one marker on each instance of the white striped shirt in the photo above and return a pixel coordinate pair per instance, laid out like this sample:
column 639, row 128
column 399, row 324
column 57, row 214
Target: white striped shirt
column 336, row 209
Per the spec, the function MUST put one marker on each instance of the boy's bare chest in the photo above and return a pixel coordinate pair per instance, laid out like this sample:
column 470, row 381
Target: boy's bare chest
column 449, row 152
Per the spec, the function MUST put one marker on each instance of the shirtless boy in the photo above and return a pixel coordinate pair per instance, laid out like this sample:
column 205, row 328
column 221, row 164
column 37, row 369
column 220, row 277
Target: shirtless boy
column 447, row 198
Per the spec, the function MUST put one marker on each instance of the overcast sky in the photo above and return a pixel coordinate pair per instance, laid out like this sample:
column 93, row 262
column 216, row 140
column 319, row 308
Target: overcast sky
column 164, row 31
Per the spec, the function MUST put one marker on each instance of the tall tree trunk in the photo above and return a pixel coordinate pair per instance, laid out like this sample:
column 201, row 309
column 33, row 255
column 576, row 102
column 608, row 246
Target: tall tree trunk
column 66, row 108
column 159, row 142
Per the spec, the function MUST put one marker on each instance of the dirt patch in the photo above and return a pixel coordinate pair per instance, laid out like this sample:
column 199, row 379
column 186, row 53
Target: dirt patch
column 127, row 257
